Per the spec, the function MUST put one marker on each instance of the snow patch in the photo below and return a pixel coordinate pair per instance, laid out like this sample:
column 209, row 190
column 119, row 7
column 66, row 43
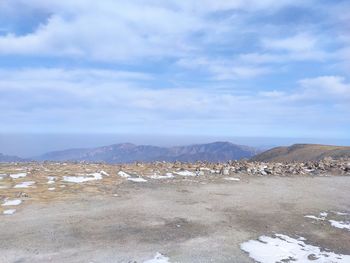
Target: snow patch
column 12, row 202
column 340, row 224
column 51, row 179
column 83, row 179
column 314, row 217
column 166, row 176
column 9, row 212
column 104, row 173
column 185, row 173
column 282, row 248
column 232, row 179
column 24, row 184
column 158, row 258
column 137, row 179
column 51, row 188
column 123, row 174
column 19, row 175
column 342, row 213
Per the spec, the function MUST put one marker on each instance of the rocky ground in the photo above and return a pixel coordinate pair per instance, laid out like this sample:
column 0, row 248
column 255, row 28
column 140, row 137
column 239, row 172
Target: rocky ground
column 175, row 212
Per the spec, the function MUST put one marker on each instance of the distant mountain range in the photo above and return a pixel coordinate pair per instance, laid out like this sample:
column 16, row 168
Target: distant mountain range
column 212, row 152
column 127, row 152
column 10, row 158
column 303, row 152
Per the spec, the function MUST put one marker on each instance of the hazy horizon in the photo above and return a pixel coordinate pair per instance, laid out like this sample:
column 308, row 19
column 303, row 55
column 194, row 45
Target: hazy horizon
column 30, row 145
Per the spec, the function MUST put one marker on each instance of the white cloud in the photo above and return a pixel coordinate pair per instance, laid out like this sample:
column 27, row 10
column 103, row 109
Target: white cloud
column 325, row 86
column 118, row 30
column 95, row 101
column 223, row 69
column 296, row 43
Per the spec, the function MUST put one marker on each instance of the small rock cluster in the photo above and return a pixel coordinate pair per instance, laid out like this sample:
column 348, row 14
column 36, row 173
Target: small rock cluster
column 322, row 167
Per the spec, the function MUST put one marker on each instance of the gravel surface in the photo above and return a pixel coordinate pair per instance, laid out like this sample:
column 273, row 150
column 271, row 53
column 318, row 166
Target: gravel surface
column 185, row 221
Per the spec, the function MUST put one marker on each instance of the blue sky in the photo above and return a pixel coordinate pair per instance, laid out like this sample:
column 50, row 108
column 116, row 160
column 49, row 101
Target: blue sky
column 208, row 68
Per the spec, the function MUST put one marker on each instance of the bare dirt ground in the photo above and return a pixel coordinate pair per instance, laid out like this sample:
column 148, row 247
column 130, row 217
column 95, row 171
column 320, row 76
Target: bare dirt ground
column 186, row 219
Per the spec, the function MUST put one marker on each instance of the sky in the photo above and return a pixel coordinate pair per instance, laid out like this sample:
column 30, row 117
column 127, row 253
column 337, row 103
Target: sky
column 253, row 68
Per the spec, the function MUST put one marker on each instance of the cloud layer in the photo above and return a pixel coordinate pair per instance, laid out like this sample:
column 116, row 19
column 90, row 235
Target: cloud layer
column 260, row 68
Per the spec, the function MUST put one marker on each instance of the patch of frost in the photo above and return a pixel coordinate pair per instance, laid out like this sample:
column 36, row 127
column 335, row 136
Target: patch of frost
column 282, row 248
column 158, row 258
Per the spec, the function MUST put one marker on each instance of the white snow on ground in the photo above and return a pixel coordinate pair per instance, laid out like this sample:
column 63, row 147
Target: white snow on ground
column 324, row 214
column 166, row 176
column 19, row 175
column 137, row 179
column 82, row 179
column 185, row 173
column 12, row 202
column 314, row 217
column 9, row 212
column 24, row 184
column 340, row 224
column 51, row 179
column 123, row 174
column 51, row 188
column 282, row 248
column 104, row 173
column 342, row 213
column 232, row 179
column 158, row 258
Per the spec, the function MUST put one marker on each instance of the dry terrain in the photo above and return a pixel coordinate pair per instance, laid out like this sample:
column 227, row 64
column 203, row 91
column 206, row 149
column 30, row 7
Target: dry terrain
column 303, row 152
column 170, row 212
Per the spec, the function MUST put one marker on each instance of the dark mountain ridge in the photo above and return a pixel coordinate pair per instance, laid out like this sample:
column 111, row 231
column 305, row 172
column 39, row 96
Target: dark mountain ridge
column 128, row 152
column 11, row 158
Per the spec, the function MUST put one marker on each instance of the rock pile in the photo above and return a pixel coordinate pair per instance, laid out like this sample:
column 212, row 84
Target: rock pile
column 327, row 166
column 322, row 167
